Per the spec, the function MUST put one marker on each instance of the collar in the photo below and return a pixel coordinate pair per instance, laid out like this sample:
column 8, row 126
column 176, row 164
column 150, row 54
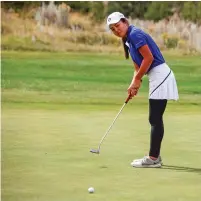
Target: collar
column 128, row 33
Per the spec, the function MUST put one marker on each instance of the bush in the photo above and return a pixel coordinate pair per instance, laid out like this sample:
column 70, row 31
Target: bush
column 158, row 10
column 97, row 10
column 79, row 6
column 170, row 41
column 192, row 11
column 133, row 9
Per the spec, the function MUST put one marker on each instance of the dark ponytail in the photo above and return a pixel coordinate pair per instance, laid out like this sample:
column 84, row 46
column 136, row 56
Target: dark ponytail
column 126, row 49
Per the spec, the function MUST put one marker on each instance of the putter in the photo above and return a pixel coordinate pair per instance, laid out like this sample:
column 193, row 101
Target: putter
column 97, row 151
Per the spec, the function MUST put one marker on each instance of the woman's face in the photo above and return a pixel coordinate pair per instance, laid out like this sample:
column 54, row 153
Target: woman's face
column 119, row 29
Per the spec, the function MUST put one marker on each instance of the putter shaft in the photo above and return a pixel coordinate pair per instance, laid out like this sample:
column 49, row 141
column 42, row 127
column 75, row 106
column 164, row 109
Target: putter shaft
column 111, row 126
column 99, row 146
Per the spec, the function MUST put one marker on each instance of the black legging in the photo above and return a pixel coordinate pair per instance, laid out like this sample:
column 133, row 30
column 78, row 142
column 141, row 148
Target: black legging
column 156, row 110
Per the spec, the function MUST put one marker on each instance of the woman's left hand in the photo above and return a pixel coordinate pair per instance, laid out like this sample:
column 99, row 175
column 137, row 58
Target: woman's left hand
column 134, row 87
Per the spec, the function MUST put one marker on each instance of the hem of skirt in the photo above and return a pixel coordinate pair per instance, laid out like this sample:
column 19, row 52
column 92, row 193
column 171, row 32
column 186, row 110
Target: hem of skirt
column 174, row 99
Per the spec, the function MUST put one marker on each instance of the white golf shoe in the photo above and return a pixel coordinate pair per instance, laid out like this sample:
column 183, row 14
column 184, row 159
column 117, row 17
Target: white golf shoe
column 159, row 158
column 146, row 162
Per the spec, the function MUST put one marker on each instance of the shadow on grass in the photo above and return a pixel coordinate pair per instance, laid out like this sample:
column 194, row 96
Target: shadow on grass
column 182, row 168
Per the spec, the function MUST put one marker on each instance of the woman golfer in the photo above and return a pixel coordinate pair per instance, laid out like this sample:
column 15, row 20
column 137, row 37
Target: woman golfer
column 148, row 60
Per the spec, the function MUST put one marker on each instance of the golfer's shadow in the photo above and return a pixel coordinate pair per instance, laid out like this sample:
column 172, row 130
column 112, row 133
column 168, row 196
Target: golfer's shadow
column 182, row 168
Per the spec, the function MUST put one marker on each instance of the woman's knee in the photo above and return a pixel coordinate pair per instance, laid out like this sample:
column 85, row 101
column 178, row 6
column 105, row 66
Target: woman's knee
column 155, row 120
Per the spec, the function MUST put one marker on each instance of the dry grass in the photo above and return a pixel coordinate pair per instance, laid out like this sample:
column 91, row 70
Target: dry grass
column 27, row 34
column 183, row 34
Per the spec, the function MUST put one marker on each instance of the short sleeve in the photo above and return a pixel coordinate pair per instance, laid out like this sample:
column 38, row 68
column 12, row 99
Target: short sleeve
column 138, row 40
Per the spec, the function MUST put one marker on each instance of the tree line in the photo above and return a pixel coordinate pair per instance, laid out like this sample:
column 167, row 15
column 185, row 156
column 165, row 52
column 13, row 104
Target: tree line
column 147, row 10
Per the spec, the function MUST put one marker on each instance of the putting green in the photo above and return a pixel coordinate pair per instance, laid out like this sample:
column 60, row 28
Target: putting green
column 45, row 156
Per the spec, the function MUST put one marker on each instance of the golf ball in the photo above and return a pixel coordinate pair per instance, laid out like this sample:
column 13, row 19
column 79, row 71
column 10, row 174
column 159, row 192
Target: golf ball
column 91, row 190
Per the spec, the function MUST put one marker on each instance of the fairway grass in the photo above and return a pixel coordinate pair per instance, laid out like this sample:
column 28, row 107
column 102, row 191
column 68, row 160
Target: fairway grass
column 45, row 156
column 56, row 107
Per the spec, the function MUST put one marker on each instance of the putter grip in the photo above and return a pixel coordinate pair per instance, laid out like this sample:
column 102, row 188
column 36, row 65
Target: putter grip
column 129, row 97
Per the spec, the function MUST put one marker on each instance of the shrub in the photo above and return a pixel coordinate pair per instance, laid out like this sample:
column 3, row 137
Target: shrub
column 97, row 11
column 170, row 41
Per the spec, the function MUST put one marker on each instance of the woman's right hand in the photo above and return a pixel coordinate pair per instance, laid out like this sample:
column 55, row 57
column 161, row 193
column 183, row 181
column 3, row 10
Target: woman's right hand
column 134, row 87
column 131, row 90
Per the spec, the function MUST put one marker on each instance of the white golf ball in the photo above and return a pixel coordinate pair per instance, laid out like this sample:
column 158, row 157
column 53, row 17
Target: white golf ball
column 91, row 190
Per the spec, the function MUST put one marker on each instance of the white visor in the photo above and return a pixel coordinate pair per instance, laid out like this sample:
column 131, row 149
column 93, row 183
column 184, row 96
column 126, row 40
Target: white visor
column 114, row 18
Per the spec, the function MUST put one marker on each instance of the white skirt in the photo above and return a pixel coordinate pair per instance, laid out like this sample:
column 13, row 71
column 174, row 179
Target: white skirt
column 162, row 83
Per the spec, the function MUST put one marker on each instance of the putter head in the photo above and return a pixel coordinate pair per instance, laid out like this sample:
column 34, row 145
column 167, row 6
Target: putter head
column 94, row 151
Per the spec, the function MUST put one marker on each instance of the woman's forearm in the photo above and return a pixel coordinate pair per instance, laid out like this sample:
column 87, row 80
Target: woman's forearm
column 136, row 67
column 146, row 63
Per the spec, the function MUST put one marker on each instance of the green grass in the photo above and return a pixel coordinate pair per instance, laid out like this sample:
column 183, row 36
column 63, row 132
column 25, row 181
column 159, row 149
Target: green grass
column 85, row 78
column 46, row 156
column 55, row 107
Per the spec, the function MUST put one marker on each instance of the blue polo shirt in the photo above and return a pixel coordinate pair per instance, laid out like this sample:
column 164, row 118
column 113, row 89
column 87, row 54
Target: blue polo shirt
column 136, row 38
